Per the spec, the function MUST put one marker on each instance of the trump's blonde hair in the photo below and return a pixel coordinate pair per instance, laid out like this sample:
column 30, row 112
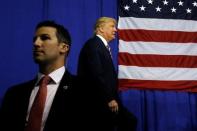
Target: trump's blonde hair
column 101, row 21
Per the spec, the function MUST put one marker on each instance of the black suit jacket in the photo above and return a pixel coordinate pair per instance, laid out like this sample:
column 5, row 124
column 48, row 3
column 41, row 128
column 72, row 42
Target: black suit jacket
column 96, row 68
column 62, row 114
column 99, row 80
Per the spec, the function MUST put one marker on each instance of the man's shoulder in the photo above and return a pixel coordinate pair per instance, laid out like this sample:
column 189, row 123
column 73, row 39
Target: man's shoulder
column 92, row 43
column 93, row 39
column 69, row 77
column 25, row 83
column 22, row 85
column 19, row 90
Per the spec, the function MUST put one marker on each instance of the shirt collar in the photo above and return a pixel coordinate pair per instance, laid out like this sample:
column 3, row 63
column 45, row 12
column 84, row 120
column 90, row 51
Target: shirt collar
column 56, row 75
column 103, row 40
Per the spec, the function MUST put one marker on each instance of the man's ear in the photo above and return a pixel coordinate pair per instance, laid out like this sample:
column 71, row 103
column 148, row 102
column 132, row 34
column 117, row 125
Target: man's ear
column 64, row 48
column 100, row 29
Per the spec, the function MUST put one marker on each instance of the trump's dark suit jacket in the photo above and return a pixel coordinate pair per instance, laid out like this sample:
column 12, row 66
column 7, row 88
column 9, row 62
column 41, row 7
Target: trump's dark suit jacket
column 99, row 80
column 96, row 66
column 62, row 115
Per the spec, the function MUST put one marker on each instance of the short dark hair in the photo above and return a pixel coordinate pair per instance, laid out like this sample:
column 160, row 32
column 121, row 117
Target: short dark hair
column 62, row 33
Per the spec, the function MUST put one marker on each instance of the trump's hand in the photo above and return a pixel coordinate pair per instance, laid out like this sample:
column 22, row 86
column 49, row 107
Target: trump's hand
column 113, row 105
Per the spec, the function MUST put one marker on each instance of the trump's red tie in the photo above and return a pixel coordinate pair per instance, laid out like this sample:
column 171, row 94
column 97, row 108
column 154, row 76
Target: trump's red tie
column 36, row 113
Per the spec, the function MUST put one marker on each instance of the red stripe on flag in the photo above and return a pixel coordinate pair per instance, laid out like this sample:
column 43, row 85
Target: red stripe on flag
column 157, row 60
column 190, row 86
column 157, row 36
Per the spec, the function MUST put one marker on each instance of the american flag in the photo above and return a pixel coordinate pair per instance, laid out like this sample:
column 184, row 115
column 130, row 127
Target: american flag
column 158, row 44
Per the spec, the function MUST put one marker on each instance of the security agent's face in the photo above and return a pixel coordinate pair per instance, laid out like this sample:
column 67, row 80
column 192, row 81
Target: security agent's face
column 46, row 48
column 109, row 30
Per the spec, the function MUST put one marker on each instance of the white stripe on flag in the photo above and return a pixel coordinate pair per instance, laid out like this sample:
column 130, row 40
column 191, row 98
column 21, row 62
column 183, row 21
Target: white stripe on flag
column 157, row 24
column 155, row 73
column 160, row 48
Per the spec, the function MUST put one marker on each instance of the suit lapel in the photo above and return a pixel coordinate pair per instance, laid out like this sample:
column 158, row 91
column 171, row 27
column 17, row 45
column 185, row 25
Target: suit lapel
column 104, row 50
column 27, row 92
column 61, row 99
column 22, row 106
column 62, row 90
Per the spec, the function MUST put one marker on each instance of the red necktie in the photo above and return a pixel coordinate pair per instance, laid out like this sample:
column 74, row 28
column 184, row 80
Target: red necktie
column 35, row 116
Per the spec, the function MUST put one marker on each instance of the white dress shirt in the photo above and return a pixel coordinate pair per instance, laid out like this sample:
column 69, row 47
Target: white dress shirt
column 103, row 40
column 56, row 77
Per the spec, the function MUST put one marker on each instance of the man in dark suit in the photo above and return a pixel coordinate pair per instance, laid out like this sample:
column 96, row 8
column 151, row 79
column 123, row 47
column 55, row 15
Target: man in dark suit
column 50, row 49
column 99, row 78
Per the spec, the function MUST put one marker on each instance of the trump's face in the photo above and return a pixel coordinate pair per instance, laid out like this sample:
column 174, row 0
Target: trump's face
column 109, row 30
